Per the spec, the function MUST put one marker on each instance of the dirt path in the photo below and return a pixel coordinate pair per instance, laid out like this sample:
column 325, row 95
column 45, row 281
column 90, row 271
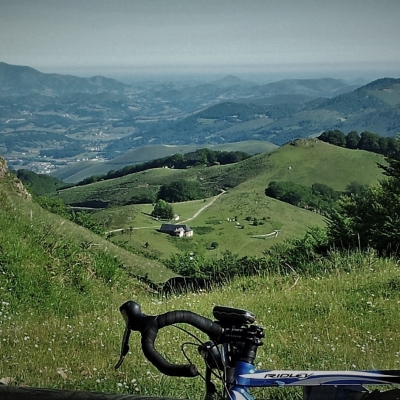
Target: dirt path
column 203, row 208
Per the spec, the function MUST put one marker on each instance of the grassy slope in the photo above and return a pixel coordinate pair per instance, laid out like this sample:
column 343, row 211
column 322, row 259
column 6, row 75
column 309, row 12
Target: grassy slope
column 307, row 162
column 78, row 171
column 62, row 230
column 121, row 189
column 344, row 320
column 310, row 161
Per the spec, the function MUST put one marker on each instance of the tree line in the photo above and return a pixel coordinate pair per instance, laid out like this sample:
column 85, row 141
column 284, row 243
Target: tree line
column 368, row 141
column 180, row 161
column 319, row 197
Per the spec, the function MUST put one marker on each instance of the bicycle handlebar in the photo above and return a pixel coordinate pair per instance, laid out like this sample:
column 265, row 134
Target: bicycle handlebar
column 148, row 326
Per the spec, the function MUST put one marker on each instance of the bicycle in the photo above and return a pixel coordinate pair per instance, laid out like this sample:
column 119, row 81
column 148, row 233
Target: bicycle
column 230, row 353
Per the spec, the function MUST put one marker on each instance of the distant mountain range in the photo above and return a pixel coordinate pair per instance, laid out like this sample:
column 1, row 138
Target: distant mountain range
column 374, row 107
column 56, row 119
column 24, row 80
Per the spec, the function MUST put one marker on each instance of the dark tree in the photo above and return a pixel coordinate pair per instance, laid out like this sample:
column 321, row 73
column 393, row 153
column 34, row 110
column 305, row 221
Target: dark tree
column 352, row 140
column 163, row 210
column 324, row 192
column 288, row 192
column 371, row 218
column 355, row 189
column 369, row 141
column 181, row 190
column 335, row 137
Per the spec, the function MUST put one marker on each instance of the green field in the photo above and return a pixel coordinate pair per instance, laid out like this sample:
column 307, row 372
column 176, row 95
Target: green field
column 62, row 286
column 223, row 222
column 228, row 221
column 303, row 161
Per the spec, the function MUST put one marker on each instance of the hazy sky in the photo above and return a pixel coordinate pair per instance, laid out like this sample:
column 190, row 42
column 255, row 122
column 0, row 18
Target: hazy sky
column 55, row 35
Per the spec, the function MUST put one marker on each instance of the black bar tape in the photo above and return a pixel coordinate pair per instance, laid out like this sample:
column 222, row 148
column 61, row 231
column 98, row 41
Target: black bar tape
column 212, row 329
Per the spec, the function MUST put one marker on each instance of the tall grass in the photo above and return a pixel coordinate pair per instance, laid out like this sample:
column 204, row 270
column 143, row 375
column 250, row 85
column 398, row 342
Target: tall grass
column 60, row 326
column 344, row 319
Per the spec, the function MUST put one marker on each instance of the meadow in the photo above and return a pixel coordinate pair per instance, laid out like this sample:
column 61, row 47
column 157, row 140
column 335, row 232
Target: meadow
column 83, row 169
column 347, row 319
column 230, row 220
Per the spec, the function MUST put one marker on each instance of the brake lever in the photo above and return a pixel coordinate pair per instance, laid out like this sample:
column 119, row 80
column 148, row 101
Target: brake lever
column 124, row 346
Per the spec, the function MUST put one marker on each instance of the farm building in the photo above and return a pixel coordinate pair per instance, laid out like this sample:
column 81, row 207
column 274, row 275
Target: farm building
column 177, row 230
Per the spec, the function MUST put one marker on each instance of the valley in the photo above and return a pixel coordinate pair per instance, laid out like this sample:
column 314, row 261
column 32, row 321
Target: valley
column 51, row 123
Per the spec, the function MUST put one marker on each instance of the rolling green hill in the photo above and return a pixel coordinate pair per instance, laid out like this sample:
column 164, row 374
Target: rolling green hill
column 303, row 161
column 83, row 169
column 229, row 220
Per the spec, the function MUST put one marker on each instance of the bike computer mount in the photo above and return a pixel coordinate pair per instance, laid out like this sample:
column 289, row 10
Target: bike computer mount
column 229, row 316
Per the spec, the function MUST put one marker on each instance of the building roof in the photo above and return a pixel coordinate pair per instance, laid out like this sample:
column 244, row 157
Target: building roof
column 173, row 227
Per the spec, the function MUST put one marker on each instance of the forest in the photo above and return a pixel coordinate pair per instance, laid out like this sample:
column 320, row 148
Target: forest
column 365, row 141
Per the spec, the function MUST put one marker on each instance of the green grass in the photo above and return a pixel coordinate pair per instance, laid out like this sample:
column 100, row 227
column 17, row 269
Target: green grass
column 344, row 320
column 211, row 225
column 121, row 190
column 17, row 212
column 305, row 162
column 310, row 161
column 60, row 326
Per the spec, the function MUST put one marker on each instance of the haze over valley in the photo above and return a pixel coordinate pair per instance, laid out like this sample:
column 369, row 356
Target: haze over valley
column 51, row 121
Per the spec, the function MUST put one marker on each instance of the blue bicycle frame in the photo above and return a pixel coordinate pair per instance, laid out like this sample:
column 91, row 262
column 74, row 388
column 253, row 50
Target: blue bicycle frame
column 247, row 377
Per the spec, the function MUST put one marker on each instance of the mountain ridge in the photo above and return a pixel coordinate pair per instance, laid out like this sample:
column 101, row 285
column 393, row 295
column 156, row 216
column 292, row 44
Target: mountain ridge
column 42, row 131
column 17, row 79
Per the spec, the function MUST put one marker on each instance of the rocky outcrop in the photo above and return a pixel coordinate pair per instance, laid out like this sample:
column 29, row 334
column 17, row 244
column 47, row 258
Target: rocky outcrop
column 3, row 167
column 16, row 183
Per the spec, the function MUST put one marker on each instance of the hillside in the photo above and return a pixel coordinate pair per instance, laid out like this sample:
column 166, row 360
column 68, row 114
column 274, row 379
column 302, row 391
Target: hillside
column 373, row 107
column 81, row 170
column 36, row 231
column 307, row 162
column 229, row 220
